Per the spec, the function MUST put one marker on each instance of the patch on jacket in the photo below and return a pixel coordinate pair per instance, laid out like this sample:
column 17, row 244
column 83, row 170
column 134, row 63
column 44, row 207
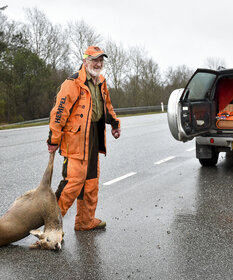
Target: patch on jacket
column 60, row 110
column 74, row 76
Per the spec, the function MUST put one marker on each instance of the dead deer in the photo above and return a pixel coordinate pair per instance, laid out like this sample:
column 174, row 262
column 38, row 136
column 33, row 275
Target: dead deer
column 32, row 210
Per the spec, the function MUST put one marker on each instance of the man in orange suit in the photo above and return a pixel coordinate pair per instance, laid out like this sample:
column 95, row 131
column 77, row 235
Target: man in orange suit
column 77, row 128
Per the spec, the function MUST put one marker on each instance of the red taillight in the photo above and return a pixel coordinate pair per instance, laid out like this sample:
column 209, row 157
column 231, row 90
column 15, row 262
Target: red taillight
column 212, row 140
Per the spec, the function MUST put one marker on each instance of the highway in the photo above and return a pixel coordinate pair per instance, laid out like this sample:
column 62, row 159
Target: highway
column 167, row 217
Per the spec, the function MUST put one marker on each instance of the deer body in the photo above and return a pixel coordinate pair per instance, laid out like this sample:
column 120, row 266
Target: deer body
column 32, row 210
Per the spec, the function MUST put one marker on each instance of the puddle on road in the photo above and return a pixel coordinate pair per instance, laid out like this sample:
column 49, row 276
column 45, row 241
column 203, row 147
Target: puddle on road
column 203, row 234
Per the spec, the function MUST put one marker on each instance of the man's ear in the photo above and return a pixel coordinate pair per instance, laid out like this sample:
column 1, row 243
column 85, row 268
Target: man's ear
column 37, row 233
column 84, row 62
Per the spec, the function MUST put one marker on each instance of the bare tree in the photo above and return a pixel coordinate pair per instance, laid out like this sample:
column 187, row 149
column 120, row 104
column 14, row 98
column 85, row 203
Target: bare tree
column 178, row 76
column 151, row 72
column 48, row 41
column 214, row 62
column 81, row 35
column 116, row 64
column 58, row 48
column 9, row 29
column 143, row 86
column 3, row 20
column 3, row 8
column 137, row 57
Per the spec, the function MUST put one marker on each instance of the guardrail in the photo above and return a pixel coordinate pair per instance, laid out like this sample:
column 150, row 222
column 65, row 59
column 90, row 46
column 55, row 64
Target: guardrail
column 145, row 109
column 123, row 111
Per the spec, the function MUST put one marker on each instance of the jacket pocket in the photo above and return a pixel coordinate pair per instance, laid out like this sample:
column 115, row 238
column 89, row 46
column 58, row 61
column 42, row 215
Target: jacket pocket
column 71, row 140
column 72, row 128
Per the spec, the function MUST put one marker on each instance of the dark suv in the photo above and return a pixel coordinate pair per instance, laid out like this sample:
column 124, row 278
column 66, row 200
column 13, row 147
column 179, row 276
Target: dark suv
column 203, row 110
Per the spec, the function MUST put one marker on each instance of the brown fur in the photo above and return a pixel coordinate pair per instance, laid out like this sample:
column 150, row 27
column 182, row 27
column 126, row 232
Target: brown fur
column 32, row 210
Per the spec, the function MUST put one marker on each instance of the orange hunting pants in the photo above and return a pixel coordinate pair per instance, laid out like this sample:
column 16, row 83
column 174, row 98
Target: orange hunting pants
column 81, row 182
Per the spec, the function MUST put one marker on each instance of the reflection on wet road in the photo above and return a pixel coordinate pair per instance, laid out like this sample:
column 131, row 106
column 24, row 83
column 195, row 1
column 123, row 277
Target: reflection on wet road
column 204, row 236
column 170, row 219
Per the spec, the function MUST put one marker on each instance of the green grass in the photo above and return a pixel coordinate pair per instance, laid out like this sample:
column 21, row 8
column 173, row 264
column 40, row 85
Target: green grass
column 10, row 126
column 138, row 114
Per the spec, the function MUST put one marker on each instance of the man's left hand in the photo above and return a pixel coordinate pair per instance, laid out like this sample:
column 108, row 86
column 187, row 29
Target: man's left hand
column 116, row 133
column 52, row 148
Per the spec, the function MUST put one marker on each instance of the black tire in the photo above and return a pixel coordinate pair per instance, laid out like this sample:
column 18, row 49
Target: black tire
column 209, row 161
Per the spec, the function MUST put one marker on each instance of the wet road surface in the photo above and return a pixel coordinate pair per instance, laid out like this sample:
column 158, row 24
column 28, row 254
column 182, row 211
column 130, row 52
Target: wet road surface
column 167, row 217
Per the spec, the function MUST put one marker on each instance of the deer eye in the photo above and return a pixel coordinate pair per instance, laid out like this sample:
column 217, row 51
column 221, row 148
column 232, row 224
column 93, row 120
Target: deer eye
column 48, row 240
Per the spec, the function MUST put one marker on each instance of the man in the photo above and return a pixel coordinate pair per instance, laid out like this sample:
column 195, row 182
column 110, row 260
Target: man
column 77, row 127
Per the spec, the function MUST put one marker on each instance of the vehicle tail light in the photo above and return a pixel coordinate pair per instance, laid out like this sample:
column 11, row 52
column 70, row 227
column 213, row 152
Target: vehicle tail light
column 212, row 140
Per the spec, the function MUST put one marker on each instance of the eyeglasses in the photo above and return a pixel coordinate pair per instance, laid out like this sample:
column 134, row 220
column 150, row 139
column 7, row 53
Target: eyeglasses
column 97, row 60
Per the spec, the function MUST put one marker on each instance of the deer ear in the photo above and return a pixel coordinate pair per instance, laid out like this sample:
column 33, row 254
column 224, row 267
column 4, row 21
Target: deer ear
column 37, row 233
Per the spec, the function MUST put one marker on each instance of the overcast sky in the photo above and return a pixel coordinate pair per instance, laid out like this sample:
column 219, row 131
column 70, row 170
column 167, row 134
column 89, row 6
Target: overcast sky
column 174, row 32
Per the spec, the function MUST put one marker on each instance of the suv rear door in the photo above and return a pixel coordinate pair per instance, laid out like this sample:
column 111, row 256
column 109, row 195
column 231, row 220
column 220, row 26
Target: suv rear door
column 193, row 112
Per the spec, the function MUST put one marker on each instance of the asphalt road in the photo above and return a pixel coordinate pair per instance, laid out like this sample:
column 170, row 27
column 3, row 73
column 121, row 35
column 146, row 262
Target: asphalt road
column 167, row 217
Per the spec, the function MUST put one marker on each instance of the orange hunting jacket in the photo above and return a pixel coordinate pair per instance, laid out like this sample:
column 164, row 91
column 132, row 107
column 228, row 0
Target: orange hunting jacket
column 70, row 118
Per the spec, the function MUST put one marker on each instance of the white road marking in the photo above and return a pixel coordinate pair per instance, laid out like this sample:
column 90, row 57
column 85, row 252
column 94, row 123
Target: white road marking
column 119, row 178
column 191, row 149
column 164, row 160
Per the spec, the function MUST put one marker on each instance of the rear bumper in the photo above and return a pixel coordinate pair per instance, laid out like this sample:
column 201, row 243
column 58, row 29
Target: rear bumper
column 225, row 142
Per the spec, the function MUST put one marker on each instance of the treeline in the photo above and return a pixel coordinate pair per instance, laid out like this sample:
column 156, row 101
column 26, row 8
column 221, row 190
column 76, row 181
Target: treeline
column 36, row 56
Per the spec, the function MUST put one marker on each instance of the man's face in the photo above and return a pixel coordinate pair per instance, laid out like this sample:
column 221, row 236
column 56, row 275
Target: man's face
column 94, row 66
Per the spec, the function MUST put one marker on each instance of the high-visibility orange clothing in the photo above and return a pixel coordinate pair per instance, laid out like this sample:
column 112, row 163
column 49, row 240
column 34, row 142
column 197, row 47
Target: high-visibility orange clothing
column 70, row 118
column 80, row 142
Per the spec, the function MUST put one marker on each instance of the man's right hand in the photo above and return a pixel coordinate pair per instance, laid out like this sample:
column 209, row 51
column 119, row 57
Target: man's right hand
column 52, row 148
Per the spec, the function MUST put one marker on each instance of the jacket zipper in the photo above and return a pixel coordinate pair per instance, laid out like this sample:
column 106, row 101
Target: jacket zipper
column 86, row 130
column 103, row 97
column 105, row 117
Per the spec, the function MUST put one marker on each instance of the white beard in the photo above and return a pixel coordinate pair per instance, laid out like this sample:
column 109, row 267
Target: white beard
column 94, row 72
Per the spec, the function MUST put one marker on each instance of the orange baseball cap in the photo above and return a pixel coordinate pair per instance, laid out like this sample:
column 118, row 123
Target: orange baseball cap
column 93, row 52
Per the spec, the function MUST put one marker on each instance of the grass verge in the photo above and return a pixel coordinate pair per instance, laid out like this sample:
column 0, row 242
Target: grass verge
column 11, row 126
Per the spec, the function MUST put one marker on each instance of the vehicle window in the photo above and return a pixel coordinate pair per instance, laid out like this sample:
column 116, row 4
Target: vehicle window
column 199, row 86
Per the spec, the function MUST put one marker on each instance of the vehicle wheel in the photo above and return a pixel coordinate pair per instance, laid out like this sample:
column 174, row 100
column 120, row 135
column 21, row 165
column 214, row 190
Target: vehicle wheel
column 209, row 161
